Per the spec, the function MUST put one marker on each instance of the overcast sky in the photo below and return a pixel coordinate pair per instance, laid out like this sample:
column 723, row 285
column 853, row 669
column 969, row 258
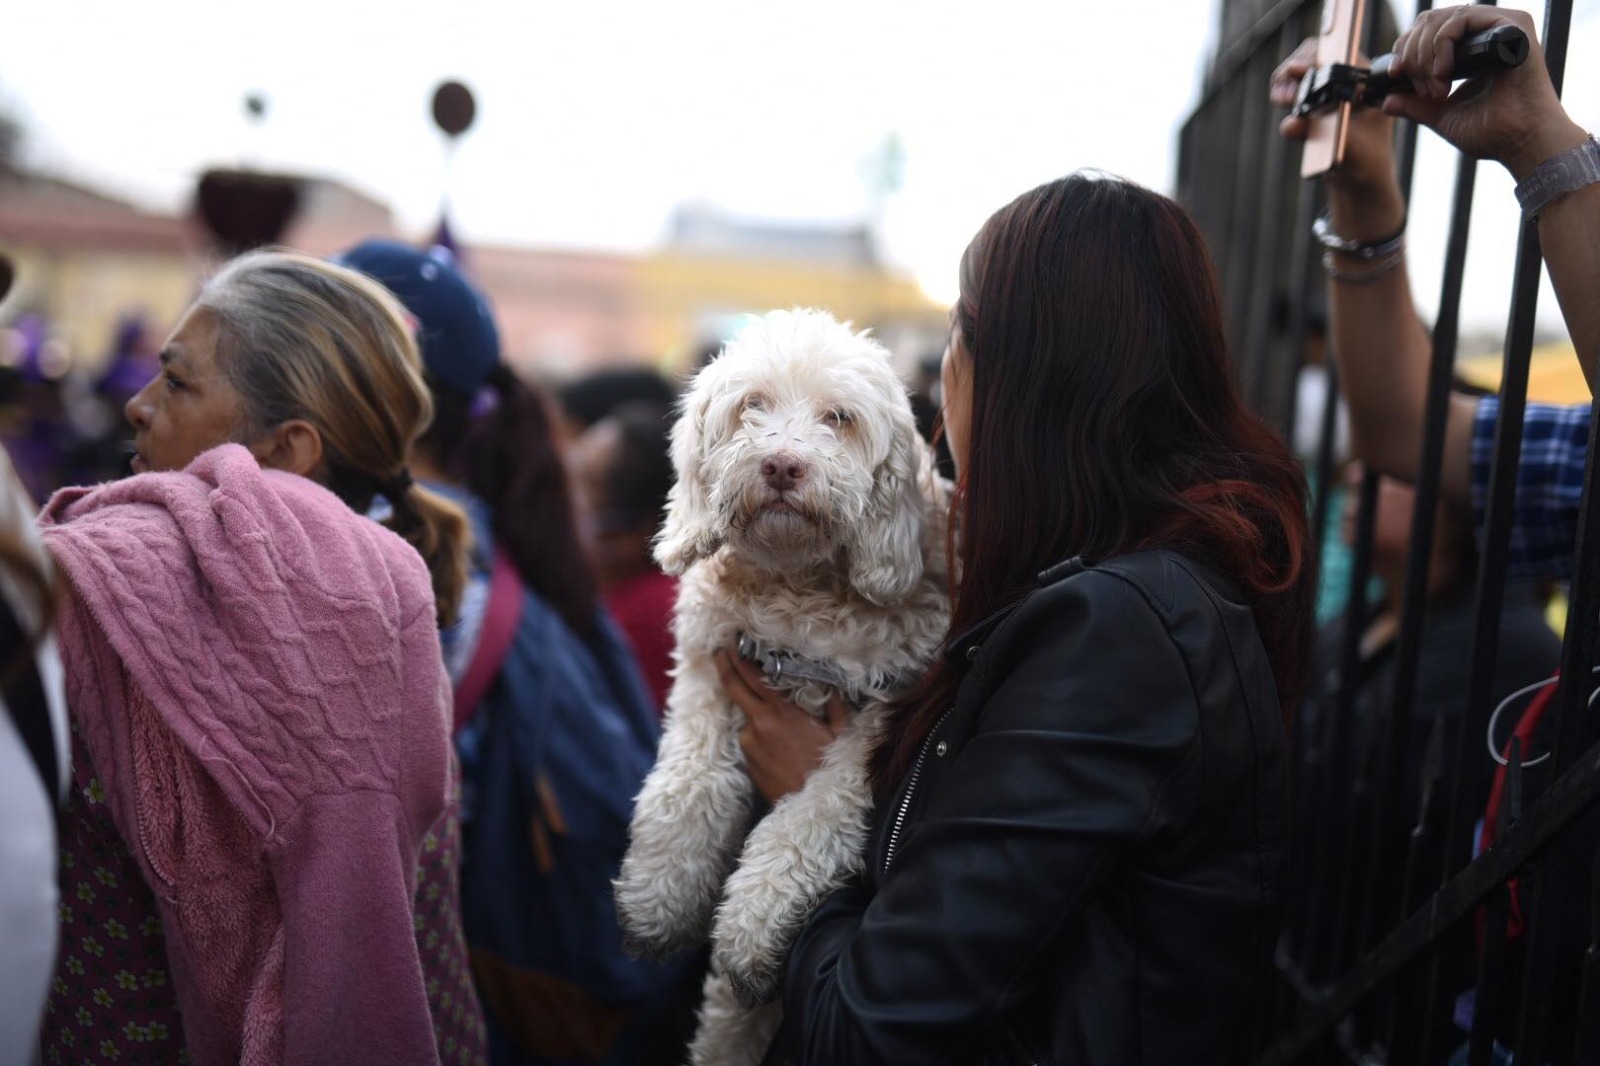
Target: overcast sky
column 596, row 120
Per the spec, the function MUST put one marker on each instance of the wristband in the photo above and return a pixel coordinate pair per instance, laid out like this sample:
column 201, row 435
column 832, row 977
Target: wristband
column 1322, row 229
column 1557, row 176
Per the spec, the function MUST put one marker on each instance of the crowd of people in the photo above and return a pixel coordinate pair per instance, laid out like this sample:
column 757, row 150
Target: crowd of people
column 326, row 721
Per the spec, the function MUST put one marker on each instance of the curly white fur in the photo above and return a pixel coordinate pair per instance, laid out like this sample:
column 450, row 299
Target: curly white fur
column 841, row 560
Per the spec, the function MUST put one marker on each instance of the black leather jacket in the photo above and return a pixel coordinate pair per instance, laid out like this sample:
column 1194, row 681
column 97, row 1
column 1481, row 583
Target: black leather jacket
column 1083, row 866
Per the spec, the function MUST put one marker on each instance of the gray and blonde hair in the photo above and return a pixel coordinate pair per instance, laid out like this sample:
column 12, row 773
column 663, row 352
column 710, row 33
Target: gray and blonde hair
column 303, row 339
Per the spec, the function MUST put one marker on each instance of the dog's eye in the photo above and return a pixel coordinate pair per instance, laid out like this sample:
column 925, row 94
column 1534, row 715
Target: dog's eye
column 838, row 417
column 755, row 403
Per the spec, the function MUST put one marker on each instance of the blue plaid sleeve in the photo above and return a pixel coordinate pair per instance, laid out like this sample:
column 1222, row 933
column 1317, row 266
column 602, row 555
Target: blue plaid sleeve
column 1544, row 524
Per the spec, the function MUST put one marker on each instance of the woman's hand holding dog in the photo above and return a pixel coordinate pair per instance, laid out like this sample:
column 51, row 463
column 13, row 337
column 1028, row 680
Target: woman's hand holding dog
column 782, row 743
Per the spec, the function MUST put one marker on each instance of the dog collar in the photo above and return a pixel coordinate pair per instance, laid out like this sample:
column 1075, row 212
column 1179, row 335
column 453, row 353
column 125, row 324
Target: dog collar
column 778, row 666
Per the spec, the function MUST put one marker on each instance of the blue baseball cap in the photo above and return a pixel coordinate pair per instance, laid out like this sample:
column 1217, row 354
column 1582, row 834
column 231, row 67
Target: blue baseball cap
column 455, row 326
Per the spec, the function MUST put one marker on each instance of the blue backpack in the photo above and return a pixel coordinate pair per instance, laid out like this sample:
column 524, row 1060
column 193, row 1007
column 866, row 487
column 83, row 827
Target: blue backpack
column 559, row 735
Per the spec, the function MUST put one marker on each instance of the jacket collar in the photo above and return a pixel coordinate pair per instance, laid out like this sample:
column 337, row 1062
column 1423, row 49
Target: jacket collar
column 963, row 649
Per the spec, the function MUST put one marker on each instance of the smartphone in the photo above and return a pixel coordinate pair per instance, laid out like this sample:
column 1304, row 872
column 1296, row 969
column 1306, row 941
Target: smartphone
column 1338, row 41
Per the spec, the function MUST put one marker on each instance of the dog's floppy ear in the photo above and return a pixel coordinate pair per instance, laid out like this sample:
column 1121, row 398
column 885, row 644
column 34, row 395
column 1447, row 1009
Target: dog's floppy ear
column 886, row 557
column 690, row 532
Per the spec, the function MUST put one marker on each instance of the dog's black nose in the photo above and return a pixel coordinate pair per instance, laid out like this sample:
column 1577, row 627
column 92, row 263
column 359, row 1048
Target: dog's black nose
column 784, row 470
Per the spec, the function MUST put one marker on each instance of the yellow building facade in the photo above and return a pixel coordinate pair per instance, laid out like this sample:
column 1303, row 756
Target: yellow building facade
column 686, row 299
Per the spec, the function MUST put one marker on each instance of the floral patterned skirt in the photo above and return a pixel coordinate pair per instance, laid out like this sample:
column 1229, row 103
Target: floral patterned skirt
column 112, row 999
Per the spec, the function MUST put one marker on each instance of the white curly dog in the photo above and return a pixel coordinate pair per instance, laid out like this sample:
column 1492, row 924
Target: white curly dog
column 809, row 528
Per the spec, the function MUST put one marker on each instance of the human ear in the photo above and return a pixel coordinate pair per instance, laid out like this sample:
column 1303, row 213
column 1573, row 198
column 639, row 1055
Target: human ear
column 294, row 446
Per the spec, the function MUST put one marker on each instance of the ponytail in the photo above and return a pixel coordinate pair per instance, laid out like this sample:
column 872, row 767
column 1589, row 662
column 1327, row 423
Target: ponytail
column 439, row 530
column 510, row 459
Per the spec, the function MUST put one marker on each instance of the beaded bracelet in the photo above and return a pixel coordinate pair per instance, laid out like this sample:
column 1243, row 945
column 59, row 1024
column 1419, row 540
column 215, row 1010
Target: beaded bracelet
column 1322, row 229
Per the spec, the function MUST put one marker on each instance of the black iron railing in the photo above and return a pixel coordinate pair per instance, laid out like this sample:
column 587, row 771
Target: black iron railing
column 1376, row 890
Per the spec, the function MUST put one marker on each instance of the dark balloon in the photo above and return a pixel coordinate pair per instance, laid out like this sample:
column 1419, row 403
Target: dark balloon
column 245, row 209
column 453, row 108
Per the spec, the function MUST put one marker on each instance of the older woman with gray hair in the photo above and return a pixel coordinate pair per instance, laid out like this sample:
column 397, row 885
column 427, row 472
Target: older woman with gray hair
column 259, row 855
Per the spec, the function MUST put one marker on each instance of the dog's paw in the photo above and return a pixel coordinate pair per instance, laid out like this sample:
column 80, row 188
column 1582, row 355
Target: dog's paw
column 752, row 990
column 730, row 1034
column 660, row 936
column 648, row 949
column 653, row 930
column 754, row 980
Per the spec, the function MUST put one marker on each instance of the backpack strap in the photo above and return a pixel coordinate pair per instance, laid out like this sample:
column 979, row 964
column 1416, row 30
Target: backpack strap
column 29, row 709
column 500, row 620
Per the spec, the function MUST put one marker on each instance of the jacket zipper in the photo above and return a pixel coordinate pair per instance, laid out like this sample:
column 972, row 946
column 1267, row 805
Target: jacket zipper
column 911, row 788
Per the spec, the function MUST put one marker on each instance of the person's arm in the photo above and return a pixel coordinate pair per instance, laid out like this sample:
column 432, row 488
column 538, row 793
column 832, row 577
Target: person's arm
column 1516, row 119
column 1569, row 234
column 1379, row 343
column 1088, row 745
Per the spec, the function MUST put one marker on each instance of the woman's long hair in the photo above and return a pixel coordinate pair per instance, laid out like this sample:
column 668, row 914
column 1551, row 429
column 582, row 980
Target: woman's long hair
column 509, row 457
column 1104, row 420
column 304, row 339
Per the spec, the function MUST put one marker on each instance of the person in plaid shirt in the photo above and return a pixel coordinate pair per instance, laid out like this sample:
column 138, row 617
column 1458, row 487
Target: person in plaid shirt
column 1383, row 348
column 1544, row 524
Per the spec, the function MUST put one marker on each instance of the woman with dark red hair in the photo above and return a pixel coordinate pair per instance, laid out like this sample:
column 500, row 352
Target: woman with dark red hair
column 1078, row 846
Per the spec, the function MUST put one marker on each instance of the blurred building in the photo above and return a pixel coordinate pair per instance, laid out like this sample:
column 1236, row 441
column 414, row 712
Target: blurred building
column 85, row 260
column 1554, row 373
column 561, row 312
column 716, row 267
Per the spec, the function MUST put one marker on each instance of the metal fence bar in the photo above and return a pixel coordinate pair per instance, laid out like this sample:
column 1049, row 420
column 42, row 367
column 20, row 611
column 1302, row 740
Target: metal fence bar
column 1586, row 1041
column 1408, row 1029
column 1406, row 133
column 1343, row 880
column 1332, row 886
column 1310, row 794
column 1578, row 657
column 1492, row 565
column 1308, row 202
column 1245, row 237
column 1562, row 804
column 1348, row 899
column 1266, row 267
column 1396, row 747
column 1579, row 653
column 1491, row 962
column 1222, row 192
column 1491, row 580
column 1323, row 788
column 1338, row 1019
column 1213, row 175
column 1232, row 59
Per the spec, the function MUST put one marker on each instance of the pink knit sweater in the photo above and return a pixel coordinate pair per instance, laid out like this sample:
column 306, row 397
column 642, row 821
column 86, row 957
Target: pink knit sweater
column 256, row 672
